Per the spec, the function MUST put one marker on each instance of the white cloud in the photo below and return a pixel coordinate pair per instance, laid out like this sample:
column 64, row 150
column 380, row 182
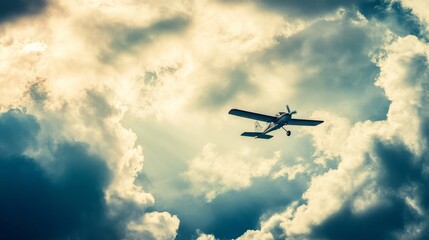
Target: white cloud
column 330, row 137
column 402, row 79
column 233, row 30
column 419, row 8
column 212, row 173
column 155, row 225
column 290, row 171
column 203, row 236
column 34, row 47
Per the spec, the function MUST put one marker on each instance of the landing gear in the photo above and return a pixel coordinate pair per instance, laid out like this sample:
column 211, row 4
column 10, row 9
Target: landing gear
column 288, row 133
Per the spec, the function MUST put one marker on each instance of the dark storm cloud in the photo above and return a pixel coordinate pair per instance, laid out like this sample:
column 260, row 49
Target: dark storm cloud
column 397, row 18
column 255, row 201
column 17, row 132
column 397, row 167
column 399, row 172
column 64, row 202
column 401, row 168
column 374, row 224
column 12, row 9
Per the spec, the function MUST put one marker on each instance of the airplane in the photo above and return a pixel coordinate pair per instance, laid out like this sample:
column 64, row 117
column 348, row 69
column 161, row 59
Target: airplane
column 273, row 122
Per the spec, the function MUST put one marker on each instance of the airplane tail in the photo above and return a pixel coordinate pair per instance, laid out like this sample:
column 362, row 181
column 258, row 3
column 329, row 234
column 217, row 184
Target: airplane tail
column 258, row 127
column 256, row 135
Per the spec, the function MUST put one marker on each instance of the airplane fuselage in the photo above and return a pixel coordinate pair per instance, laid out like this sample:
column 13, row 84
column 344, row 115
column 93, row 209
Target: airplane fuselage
column 278, row 123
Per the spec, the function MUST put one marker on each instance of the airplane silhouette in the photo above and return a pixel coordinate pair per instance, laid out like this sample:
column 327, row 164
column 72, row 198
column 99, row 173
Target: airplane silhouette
column 273, row 122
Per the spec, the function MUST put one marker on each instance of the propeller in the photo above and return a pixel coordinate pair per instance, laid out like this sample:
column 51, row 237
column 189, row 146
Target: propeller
column 288, row 110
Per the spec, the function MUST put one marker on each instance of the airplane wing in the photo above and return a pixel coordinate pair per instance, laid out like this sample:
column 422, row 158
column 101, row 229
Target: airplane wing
column 304, row 122
column 252, row 115
column 256, row 135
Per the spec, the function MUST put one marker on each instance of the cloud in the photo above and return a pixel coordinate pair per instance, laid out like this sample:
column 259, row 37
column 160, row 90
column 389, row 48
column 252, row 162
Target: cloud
column 355, row 51
column 153, row 226
column 63, row 86
column 301, row 9
column 335, row 67
column 366, row 187
column 10, row 10
column 395, row 15
column 212, row 174
column 71, row 103
column 203, row 236
column 330, row 137
column 39, row 203
column 125, row 39
column 417, row 7
column 18, row 131
column 401, row 205
column 392, row 13
column 180, row 66
column 222, row 93
column 251, row 234
column 290, row 171
column 306, row 9
column 388, row 218
column 58, row 190
column 334, row 57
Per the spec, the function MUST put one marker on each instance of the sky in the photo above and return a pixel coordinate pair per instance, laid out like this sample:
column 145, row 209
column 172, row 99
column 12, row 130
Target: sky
column 114, row 119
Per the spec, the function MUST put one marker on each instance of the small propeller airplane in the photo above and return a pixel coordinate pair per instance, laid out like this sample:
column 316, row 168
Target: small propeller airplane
column 273, row 122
